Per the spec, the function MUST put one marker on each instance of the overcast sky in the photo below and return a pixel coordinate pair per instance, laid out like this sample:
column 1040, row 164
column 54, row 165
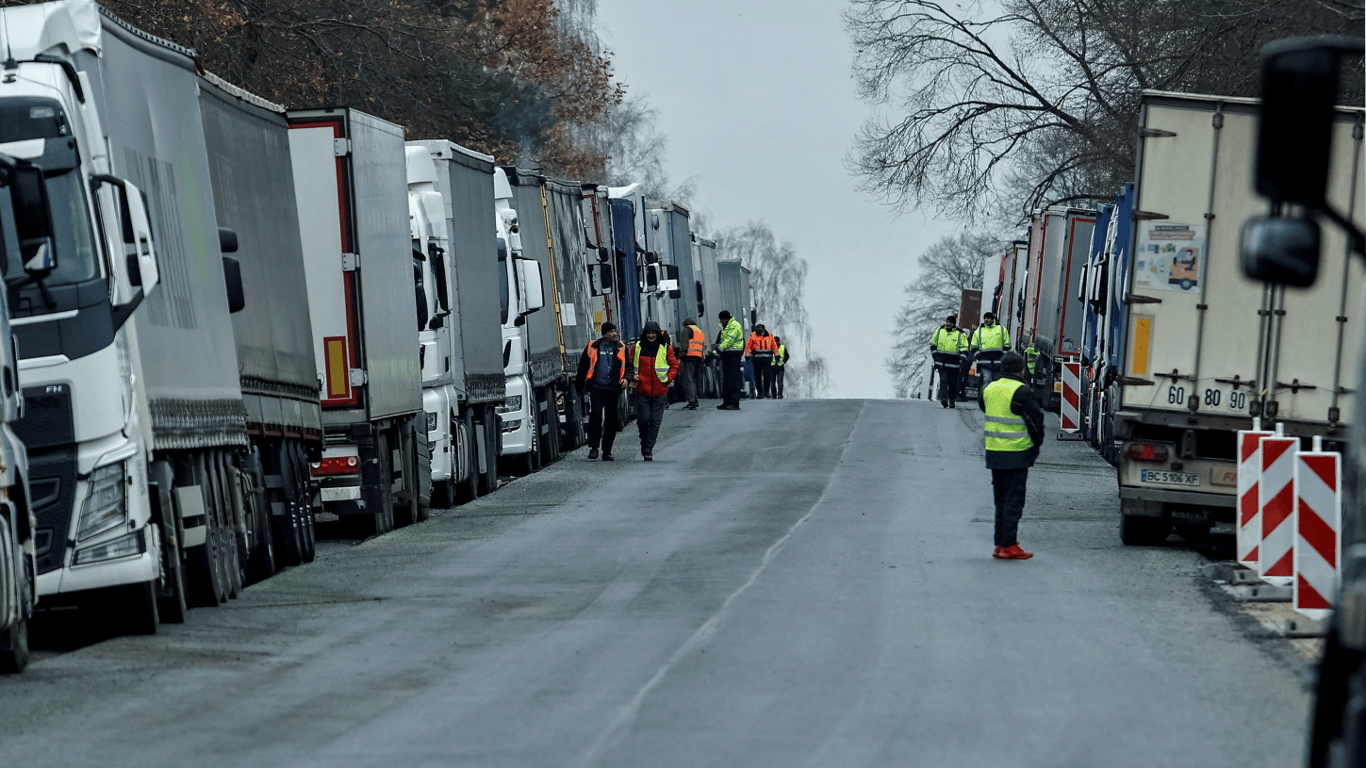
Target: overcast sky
column 758, row 103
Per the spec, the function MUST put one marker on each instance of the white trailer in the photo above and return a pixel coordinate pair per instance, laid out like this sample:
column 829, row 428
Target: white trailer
column 1205, row 349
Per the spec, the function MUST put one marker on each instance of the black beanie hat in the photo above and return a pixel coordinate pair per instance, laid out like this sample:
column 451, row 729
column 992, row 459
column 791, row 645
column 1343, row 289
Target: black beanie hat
column 1012, row 362
column 608, row 328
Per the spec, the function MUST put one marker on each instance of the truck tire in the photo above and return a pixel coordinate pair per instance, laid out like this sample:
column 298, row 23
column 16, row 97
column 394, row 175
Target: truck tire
column 489, row 424
column 309, row 531
column 1137, row 531
column 14, row 653
column 468, row 489
column 132, row 608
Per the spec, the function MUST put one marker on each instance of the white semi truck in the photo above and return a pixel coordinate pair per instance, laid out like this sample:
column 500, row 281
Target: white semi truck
column 521, row 295
column 462, row 422
column 1204, row 348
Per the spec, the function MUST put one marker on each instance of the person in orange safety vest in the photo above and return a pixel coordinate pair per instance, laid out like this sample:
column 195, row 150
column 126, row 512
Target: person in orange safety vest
column 690, row 377
column 761, row 347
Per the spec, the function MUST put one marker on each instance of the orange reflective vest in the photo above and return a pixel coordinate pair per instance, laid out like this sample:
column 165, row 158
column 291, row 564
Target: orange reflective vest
column 697, row 343
column 761, row 344
column 593, row 362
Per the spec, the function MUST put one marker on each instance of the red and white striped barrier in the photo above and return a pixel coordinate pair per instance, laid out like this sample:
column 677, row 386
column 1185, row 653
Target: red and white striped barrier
column 1070, row 407
column 1276, row 497
column 1318, row 519
column 1249, row 506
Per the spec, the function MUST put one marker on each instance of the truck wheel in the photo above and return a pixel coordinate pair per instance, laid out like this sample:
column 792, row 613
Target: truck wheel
column 206, row 566
column 1137, row 531
column 172, row 606
column 488, row 481
column 468, row 489
column 135, row 607
column 309, row 531
column 14, row 655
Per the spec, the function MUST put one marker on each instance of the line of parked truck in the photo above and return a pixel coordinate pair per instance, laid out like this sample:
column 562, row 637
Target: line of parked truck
column 230, row 321
column 1177, row 348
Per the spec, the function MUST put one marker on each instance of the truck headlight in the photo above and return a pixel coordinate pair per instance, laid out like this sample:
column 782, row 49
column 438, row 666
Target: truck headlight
column 104, row 508
column 512, row 404
column 512, row 425
column 123, row 546
column 431, row 422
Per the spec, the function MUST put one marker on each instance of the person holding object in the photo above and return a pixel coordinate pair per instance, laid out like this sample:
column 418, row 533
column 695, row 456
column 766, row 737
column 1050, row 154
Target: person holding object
column 602, row 368
column 1012, row 435
column 947, row 344
column 989, row 342
column 651, row 367
column 696, row 342
column 730, row 343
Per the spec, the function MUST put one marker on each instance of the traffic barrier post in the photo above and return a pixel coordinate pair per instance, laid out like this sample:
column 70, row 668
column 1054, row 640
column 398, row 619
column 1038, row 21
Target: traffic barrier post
column 1276, row 497
column 1249, row 506
column 1318, row 520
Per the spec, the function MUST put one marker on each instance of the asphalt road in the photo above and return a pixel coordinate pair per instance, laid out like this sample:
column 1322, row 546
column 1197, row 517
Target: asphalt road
column 802, row 583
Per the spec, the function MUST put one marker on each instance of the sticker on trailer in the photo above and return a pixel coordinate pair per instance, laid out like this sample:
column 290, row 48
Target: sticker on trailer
column 1170, row 257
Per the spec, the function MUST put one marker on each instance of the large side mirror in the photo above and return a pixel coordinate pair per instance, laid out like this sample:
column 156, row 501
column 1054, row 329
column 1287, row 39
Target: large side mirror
column 600, row 279
column 232, row 278
column 227, row 240
column 33, row 216
column 671, row 282
column 136, row 232
column 649, row 278
column 604, row 255
column 529, row 272
column 1299, row 88
column 1281, row 251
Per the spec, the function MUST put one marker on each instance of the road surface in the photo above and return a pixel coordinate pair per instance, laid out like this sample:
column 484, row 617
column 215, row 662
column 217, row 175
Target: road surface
column 801, row 583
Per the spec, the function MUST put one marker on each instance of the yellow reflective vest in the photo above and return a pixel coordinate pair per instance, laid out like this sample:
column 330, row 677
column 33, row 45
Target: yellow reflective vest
column 993, row 337
column 954, row 341
column 661, row 362
column 1005, row 430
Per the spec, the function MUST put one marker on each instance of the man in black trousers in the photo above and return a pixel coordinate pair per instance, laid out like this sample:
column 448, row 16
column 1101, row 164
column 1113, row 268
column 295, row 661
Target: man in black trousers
column 602, row 369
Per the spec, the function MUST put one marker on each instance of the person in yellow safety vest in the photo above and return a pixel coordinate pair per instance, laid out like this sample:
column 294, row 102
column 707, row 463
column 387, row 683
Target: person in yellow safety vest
column 1031, row 356
column 989, row 342
column 651, row 367
column 947, row 345
column 696, row 342
column 779, row 364
column 602, row 369
column 730, row 343
column 1012, row 436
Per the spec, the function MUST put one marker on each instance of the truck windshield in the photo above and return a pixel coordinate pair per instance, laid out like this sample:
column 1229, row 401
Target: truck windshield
column 75, row 241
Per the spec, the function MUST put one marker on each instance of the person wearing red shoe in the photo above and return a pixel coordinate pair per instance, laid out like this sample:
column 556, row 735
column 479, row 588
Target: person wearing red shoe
column 1013, row 434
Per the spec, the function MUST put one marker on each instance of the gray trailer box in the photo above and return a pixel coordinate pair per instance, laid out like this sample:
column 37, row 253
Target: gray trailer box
column 274, row 335
column 543, row 330
column 734, row 291
column 350, row 171
column 569, row 279
column 465, row 181
column 147, row 94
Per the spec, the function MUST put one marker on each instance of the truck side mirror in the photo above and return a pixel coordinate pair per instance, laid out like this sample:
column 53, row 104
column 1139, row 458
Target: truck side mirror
column 604, row 255
column 650, row 279
column 529, row 270
column 670, row 283
column 136, row 229
column 1299, row 86
column 600, row 276
column 1280, row 251
column 34, row 219
column 227, row 240
column 232, row 278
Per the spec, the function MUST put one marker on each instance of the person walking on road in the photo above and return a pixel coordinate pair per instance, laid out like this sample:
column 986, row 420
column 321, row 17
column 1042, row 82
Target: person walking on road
column 692, row 361
column 947, row 344
column 779, row 365
column 730, row 343
column 651, row 367
column 989, row 342
column 602, row 367
column 760, row 348
column 1013, row 434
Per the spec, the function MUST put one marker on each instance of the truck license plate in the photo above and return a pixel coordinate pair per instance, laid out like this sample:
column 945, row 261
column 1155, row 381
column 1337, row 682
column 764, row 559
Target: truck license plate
column 1168, row 478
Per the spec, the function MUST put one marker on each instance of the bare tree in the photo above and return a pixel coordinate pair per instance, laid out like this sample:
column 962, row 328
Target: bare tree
column 778, row 281
column 946, row 268
column 1044, row 94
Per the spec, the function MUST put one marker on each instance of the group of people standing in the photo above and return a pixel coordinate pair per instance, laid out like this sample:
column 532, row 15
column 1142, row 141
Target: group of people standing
column 649, row 367
column 954, row 350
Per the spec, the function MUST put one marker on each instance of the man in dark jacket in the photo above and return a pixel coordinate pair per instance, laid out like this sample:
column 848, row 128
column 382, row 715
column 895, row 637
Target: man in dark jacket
column 602, row 369
column 1013, row 434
